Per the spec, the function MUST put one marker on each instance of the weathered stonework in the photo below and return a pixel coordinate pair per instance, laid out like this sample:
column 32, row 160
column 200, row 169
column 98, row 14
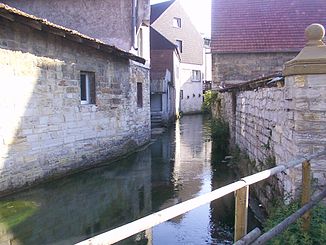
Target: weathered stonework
column 231, row 68
column 44, row 129
column 283, row 123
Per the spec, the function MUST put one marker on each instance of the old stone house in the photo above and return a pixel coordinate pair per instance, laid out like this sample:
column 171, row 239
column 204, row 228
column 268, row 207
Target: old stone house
column 122, row 23
column 253, row 38
column 172, row 27
column 69, row 101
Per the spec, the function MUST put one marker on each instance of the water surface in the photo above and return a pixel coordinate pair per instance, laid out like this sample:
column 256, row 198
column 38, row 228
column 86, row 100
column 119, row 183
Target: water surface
column 176, row 167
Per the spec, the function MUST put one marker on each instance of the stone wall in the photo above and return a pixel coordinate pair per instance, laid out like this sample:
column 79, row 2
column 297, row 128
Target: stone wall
column 91, row 17
column 241, row 67
column 44, row 129
column 277, row 125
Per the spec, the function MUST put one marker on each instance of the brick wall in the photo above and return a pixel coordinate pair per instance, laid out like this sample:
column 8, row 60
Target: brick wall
column 162, row 60
column 44, row 129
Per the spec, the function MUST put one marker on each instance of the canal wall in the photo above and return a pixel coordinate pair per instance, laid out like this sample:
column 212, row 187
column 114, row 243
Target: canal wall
column 275, row 121
column 45, row 129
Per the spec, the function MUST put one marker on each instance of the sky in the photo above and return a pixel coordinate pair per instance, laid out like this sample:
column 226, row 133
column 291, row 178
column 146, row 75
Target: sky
column 199, row 11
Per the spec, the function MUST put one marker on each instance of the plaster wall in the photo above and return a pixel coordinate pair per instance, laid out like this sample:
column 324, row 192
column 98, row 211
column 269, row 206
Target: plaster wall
column 192, row 98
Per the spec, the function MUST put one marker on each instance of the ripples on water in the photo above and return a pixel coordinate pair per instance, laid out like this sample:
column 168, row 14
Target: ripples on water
column 177, row 167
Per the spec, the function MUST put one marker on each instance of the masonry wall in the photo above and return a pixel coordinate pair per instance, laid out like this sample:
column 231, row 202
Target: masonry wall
column 241, row 67
column 277, row 125
column 110, row 20
column 44, row 129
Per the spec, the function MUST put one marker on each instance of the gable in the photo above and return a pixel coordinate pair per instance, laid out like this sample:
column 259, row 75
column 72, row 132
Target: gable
column 158, row 9
column 263, row 26
column 192, row 41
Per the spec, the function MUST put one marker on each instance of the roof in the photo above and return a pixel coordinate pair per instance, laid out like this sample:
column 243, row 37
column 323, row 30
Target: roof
column 263, row 25
column 159, row 42
column 158, row 9
column 40, row 24
column 260, row 82
column 192, row 41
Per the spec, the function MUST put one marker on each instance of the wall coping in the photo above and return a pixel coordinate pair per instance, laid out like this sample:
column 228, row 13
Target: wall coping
column 312, row 58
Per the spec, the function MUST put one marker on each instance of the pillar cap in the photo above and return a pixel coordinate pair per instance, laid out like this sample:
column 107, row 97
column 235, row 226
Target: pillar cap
column 312, row 58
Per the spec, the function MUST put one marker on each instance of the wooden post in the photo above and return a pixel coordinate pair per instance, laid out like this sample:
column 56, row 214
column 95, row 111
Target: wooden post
column 306, row 186
column 241, row 212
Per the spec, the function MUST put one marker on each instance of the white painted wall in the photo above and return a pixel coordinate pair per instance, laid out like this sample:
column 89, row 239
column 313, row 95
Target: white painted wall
column 192, row 90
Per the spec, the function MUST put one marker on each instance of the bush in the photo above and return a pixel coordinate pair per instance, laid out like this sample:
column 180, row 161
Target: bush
column 220, row 136
column 209, row 98
column 293, row 234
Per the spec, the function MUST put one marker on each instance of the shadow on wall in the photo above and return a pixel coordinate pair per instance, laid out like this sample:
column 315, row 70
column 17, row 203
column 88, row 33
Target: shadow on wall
column 44, row 128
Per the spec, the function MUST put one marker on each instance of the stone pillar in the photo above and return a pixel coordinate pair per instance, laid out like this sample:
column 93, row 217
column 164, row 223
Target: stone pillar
column 305, row 94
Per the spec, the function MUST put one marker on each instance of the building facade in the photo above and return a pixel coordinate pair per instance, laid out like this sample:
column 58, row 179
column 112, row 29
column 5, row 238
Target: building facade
column 173, row 24
column 68, row 101
column 252, row 39
column 122, row 23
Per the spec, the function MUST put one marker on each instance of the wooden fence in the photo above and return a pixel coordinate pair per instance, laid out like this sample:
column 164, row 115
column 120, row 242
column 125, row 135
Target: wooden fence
column 241, row 189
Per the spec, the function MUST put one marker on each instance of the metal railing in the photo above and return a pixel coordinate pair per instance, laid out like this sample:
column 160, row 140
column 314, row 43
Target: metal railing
column 241, row 189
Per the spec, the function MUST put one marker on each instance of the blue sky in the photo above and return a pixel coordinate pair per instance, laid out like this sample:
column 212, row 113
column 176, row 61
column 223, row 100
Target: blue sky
column 199, row 11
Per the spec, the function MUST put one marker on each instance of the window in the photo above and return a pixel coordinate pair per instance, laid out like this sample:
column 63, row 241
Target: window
column 87, row 87
column 196, row 75
column 140, row 43
column 181, row 94
column 176, row 22
column 178, row 43
column 139, row 94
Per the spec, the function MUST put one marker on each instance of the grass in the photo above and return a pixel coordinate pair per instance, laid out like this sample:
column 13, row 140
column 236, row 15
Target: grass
column 294, row 234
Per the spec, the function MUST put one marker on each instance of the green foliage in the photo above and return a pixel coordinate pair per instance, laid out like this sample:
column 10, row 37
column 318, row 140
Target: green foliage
column 220, row 136
column 209, row 98
column 294, row 233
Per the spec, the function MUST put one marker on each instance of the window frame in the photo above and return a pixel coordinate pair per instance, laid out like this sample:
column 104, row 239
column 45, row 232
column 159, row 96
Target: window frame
column 179, row 45
column 140, row 102
column 176, row 22
column 196, row 76
column 89, row 83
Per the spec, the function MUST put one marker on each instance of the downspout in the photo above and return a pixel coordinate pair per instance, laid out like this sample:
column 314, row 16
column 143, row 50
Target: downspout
column 134, row 24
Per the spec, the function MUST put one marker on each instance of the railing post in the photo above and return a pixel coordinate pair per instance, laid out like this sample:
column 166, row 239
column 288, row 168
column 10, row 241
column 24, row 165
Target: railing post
column 306, row 186
column 241, row 212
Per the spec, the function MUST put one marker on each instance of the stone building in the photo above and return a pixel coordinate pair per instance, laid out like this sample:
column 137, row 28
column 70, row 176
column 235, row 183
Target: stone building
column 122, row 23
column 253, row 38
column 275, row 120
column 69, row 101
column 172, row 28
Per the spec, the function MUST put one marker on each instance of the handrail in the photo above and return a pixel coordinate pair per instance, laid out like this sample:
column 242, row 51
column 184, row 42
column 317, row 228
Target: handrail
column 154, row 219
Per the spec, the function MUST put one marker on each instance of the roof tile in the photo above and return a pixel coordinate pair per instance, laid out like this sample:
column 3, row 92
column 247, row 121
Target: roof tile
column 263, row 25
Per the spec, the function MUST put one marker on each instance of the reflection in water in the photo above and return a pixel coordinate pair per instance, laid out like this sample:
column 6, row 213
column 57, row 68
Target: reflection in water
column 175, row 168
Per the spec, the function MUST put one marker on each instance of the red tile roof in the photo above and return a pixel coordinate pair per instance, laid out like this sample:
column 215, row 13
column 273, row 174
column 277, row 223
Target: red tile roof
column 263, row 25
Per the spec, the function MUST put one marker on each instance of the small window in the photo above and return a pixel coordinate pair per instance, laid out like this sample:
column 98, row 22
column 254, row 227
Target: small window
column 87, row 87
column 178, row 43
column 139, row 94
column 196, row 75
column 181, row 94
column 176, row 22
column 140, row 51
